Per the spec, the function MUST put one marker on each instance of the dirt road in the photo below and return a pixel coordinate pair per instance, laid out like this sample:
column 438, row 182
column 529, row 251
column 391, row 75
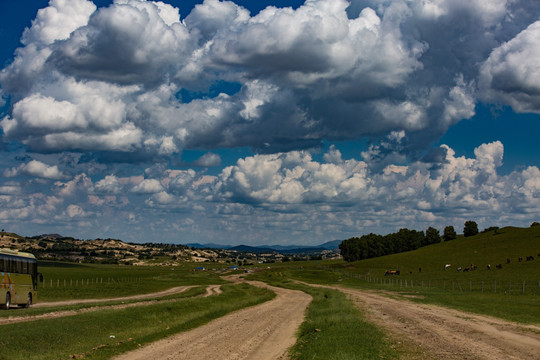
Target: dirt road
column 167, row 292
column 262, row 332
column 267, row 331
column 444, row 334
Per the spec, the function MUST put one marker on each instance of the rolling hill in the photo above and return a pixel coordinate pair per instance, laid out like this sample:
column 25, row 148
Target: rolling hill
column 502, row 246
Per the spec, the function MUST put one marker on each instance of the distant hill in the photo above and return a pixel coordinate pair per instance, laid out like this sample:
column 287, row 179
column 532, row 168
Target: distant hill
column 331, row 245
column 283, row 249
column 208, row 246
column 50, row 236
column 504, row 247
column 55, row 247
column 252, row 249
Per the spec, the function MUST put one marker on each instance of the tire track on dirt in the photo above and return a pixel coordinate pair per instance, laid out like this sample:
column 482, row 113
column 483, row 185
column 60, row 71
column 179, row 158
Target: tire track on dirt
column 447, row 334
column 261, row 332
column 171, row 291
column 211, row 290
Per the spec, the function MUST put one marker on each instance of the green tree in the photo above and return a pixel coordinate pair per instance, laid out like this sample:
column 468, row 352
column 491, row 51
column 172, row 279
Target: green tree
column 432, row 236
column 470, row 229
column 449, row 233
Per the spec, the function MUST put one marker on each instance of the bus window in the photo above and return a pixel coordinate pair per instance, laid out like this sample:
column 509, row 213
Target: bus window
column 32, row 268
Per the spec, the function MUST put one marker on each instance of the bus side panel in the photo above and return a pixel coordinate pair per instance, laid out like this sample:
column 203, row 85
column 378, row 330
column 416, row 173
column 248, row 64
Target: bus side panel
column 4, row 287
column 22, row 286
column 18, row 285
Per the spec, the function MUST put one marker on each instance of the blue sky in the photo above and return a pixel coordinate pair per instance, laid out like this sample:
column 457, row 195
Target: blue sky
column 277, row 122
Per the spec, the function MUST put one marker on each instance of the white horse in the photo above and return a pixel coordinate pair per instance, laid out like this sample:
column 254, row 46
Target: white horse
column 447, row 266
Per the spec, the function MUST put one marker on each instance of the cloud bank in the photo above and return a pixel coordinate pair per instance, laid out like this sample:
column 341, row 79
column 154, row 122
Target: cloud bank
column 267, row 196
column 93, row 90
column 112, row 78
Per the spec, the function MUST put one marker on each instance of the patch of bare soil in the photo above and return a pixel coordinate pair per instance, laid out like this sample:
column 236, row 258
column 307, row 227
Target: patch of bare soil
column 171, row 291
column 56, row 314
column 448, row 334
column 213, row 290
column 261, row 332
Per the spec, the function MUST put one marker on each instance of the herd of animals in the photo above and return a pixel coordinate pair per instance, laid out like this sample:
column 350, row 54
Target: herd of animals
column 470, row 268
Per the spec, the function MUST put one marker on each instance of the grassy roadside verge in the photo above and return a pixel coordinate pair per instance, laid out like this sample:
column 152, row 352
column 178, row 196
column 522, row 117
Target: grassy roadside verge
column 511, row 307
column 36, row 311
column 334, row 328
column 66, row 281
column 88, row 335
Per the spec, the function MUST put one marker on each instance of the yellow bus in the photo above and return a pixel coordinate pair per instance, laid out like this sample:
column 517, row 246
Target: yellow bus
column 19, row 278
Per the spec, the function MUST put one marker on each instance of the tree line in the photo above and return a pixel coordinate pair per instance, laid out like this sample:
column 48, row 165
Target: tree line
column 373, row 245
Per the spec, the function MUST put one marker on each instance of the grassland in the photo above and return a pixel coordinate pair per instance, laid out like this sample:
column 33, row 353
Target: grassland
column 104, row 333
column 64, row 281
column 343, row 327
column 495, row 292
column 334, row 328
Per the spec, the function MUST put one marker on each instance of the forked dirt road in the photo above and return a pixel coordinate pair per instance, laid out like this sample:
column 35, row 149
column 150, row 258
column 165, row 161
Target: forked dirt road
column 261, row 332
column 268, row 330
column 445, row 334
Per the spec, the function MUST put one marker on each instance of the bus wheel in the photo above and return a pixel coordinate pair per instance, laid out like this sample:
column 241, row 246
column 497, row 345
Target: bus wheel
column 7, row 304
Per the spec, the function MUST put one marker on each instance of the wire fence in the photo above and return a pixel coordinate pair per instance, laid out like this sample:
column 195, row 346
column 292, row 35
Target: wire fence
column 58, row 283
column 484, row 286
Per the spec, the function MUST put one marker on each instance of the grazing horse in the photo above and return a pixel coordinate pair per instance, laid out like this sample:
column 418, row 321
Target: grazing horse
column 530, row 258
column 391, row 272
column 488, row 266
column 499, row 266
column 447, row 266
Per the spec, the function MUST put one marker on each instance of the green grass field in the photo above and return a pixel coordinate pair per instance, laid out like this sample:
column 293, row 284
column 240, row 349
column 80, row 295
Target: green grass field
column 495, row 292
column 342, row 330
column 64, row 281
column 334, row 328
column 104, row 333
